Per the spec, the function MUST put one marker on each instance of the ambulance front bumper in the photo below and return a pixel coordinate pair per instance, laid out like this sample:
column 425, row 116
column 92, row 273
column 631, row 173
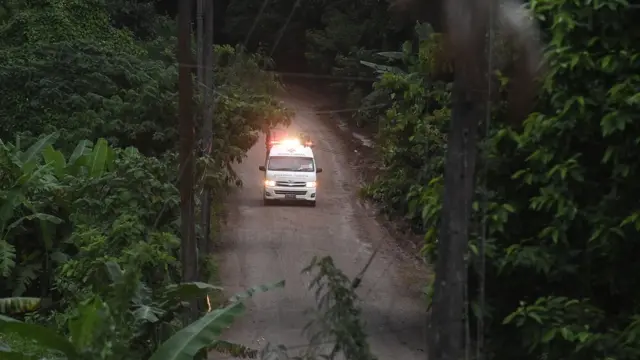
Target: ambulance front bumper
column 289, row 193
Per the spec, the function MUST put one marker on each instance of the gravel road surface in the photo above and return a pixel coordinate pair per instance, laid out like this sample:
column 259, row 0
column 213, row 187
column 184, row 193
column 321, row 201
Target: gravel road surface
column 263, row 244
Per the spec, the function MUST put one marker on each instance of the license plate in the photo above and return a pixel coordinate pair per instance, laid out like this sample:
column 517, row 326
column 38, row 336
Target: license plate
column 289, row 196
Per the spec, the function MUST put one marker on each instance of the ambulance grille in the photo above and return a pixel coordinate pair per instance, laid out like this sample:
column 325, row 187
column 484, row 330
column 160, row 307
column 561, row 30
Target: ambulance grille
column 291, row 184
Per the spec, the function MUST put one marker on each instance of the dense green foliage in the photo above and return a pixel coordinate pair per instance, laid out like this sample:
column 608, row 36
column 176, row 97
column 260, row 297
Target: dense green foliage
column 88, row 173
column 88, row 106
column 322, row 37
column 561, row 188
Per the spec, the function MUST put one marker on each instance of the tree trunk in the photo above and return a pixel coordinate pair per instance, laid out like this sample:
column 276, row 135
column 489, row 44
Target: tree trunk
column 188, row 255
column 207, row 125
column 446, row 326
column 468, row 111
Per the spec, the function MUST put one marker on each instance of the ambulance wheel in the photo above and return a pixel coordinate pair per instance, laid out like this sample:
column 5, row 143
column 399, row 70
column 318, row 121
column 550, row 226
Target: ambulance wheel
column 312, row 203
column 266, row 202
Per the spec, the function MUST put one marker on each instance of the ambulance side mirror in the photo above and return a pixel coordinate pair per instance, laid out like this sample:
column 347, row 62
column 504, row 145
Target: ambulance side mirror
column 262, row 168
column 318, row 170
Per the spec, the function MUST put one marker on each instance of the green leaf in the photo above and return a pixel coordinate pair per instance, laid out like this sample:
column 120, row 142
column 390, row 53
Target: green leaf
column 114, row 271
column 535, row 317
column 56, row 159
column 549, row 335
column 424, row 31
column 583, row 336
column 382, row 68
column 509, row 318
column 43, row 336
column 30, row 156
column 30, row 176
column 186, row 343
column 82, row 328
column 10, row 203
column 189, row 291
column 7, row 354
column 83, row 148
column 39, row 216
column 256, row 289
column 147, row 313
column 4, row 318
column 98, row 160
column 396, row 55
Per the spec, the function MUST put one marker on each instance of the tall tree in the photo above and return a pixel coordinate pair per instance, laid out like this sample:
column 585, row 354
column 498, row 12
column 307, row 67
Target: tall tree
column 188, row 255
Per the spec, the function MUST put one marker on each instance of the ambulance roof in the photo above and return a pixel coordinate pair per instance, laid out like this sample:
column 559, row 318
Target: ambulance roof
column 291, row 150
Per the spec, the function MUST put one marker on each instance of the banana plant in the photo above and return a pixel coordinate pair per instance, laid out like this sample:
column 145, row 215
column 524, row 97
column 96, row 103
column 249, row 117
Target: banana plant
column 25, row 169
column 94, row 161
column 184, row 345
column 43, row 166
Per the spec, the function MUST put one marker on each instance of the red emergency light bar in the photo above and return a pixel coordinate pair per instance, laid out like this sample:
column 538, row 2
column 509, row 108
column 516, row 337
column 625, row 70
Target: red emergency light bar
column 276, row 142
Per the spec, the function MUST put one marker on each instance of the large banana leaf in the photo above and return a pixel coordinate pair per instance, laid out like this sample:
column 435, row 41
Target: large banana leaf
column 27, row 160
column 188, row 291
column 41, row 335
column 80, row 152
column 381, row 69
column 186, row 343
column 98, row 159
column 82, row 329
column 255, row 290
column 395, row 55
column 56, row 159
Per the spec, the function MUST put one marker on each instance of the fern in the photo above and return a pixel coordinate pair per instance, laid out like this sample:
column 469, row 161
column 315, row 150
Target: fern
column 339, row 316
column 7, row 258
column 25, row 275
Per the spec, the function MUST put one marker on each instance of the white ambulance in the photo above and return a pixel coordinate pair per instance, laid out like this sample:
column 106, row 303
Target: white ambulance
column 290, row 173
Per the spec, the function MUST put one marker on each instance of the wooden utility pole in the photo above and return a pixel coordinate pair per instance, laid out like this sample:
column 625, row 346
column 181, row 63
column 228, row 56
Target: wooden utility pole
column 188, row 255
column 446, row 326
column 203, row 98
column 207, row 120
column 199, row 43
column 467, row 24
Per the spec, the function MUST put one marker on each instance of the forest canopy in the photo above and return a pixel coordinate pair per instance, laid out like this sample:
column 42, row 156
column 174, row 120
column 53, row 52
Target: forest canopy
column 89, row 105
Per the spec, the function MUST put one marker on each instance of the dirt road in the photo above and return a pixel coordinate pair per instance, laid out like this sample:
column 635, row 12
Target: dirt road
column 265, row 244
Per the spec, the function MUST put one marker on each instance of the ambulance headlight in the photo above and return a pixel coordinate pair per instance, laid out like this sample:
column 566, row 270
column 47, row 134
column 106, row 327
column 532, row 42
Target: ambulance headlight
column 311, row 184
column 269, row 183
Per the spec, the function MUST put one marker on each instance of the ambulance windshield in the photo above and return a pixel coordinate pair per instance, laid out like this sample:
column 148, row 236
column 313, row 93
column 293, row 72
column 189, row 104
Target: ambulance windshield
column 291, row 163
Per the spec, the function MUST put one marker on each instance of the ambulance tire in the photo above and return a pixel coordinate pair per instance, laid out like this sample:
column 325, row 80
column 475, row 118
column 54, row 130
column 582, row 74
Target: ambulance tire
column 312, row 203
column 266, row 202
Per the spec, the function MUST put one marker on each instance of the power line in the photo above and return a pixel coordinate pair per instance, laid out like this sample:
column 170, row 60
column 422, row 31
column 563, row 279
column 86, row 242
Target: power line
column 308, row 75
column 255, row 22
column 284, row 27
